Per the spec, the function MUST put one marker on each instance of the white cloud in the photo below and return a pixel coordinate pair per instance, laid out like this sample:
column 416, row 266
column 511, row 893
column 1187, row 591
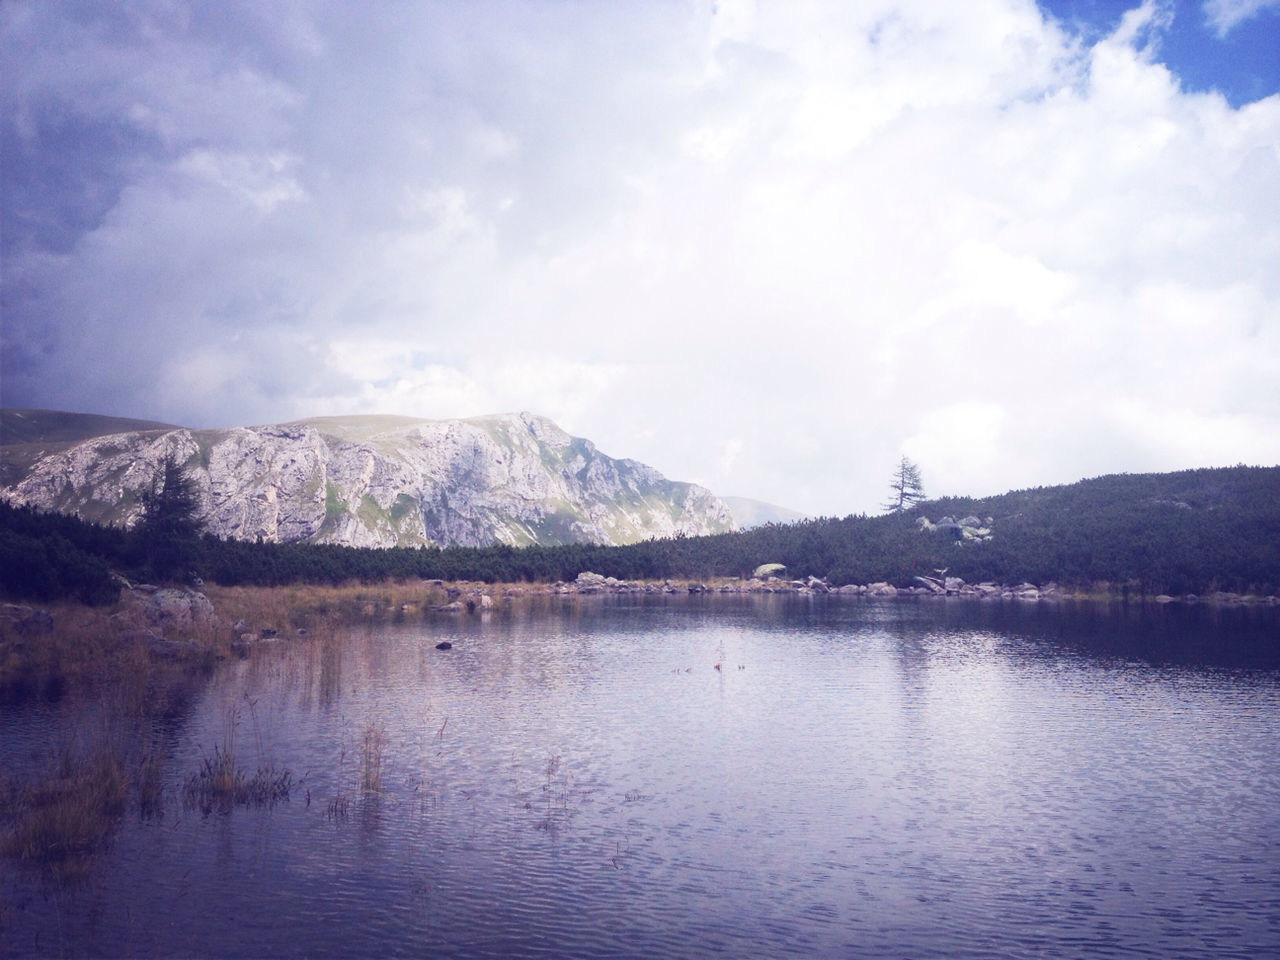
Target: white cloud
column 730, row 451
column 773, row 246
column 959, row 443
column 263, row 181
column 1226, row 15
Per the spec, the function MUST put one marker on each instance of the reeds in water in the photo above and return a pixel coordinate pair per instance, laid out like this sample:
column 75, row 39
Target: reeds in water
column 339, row 808
column 62, row 820
column 219, row 785
column 372, row 742
column 151, row 781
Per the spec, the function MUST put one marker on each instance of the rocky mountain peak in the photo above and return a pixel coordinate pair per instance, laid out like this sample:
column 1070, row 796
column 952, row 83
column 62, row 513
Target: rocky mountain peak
column 375, row 482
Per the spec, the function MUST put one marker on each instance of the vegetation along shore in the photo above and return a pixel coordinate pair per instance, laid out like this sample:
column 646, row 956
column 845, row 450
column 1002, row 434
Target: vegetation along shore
column 137, row 619
column 87, row 601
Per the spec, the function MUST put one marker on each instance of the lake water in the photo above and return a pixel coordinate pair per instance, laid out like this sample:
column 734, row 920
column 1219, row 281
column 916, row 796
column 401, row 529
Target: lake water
column 869, row 779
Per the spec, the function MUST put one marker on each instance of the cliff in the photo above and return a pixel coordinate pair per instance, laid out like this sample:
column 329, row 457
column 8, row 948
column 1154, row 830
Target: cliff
column 364, row 481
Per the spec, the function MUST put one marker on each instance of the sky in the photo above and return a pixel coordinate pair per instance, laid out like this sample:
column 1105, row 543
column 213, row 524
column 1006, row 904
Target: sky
column 769, row 247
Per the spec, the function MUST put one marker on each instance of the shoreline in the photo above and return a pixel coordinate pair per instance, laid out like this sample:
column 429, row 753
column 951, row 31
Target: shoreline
column 592, row 584
column 151, row 634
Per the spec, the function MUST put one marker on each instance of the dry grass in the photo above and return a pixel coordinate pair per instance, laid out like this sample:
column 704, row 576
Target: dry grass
column 97, row 648
column 314, row 608
column 90, row 647
column 219, row 785
column 61, row 821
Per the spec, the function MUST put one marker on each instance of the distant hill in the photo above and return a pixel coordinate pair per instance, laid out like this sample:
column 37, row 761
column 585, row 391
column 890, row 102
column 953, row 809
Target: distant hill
column 1189, row 531
column 58, row 426
column 748, row 513
column 369, row 481
column 28, row 435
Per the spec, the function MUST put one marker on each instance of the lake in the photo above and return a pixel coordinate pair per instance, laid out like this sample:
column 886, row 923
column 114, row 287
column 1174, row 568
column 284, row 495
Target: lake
column 761, row 776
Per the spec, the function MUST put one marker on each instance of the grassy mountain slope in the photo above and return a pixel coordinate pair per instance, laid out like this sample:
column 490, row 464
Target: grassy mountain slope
column 60, row 426
column 28, row 435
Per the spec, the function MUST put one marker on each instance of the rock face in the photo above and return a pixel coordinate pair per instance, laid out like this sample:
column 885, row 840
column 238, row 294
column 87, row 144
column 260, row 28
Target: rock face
column 381, row 481
column 969, row 528
column 177, row 608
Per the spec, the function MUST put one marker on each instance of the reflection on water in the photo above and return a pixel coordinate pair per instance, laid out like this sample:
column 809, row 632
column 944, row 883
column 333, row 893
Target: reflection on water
column 856, row 778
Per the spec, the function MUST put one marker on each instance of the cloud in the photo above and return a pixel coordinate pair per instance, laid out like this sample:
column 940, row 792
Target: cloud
column 1225, row 15
column 759, row 244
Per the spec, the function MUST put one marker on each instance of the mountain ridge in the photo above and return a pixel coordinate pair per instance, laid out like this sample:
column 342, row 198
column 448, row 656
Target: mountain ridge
column 364, row 480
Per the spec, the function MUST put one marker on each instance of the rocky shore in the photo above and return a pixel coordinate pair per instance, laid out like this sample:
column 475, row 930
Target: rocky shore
column 182, row 624
column 473, row 597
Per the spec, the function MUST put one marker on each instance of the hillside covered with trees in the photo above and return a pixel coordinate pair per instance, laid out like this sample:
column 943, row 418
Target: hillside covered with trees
column 1195, row 531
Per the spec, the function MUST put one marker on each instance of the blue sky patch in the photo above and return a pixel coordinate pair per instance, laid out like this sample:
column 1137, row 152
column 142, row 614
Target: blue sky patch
column 1241, row 62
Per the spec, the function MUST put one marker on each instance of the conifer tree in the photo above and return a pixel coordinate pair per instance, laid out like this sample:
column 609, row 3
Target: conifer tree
column 907, row 489
column 169, row 533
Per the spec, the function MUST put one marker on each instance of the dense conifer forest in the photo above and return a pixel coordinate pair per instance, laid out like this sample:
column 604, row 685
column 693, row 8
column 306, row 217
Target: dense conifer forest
column 1196, row 531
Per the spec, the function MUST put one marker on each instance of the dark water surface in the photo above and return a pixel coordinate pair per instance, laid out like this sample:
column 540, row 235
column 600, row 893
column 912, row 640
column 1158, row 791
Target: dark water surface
column 858, row 779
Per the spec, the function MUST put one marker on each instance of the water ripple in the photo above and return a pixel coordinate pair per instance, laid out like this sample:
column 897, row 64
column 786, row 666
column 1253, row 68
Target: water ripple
column 878, row 780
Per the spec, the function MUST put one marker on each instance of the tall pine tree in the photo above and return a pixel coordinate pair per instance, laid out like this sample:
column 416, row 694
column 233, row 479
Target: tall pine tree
column 907, row 489
column 169, row 533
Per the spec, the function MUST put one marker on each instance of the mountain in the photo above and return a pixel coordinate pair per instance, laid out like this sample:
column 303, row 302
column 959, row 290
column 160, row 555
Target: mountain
column 28, row 435
column 56, row 426
column 748, row 513
column 364, row 481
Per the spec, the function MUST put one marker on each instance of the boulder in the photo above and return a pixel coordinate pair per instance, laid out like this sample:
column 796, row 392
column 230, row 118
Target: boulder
column 177, row 608
column 131, row 636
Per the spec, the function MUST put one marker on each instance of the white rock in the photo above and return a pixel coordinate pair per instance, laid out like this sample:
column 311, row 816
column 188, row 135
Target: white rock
column 383, row 481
